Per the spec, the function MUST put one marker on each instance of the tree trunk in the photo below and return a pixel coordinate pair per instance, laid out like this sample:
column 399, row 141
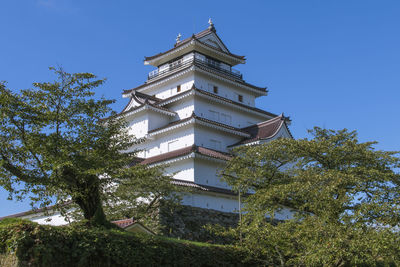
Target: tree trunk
column 85, row 192
column 91, row 206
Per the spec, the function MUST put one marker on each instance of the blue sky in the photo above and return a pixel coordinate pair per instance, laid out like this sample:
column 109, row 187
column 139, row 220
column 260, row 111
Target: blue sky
column 334, row 64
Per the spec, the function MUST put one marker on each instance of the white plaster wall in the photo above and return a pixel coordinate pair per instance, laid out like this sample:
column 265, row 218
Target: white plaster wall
column 51, row 219
column 226, row 204
column 239, row 118
column 159, row 144
column 157, row 120
column 203, row 136
column 138, row 124
column 224, row 89
column 215, row 202
column 168, row 89
column 182, row 170
column 207, row 172
column 184, row 108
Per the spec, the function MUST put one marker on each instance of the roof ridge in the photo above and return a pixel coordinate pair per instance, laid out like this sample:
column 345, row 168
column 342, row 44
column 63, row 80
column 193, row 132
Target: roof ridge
column 196, row 37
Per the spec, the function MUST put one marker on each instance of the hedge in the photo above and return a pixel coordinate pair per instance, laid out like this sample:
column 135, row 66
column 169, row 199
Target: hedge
column 40, row 245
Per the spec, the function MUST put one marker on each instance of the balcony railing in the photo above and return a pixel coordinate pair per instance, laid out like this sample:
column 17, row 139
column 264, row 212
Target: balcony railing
column 212, row 64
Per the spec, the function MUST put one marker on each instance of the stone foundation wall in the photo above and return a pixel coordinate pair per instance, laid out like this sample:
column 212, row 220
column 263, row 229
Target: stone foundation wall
column 188, row 223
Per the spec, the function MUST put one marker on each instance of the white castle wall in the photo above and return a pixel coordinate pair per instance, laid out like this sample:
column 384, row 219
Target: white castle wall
column 207, row 172
column 53, row 218
column 157, row 120
column 226, row 204
column 224, row 89
column 184, row 108
column 138, row 124
column 225, row 114
column 169, row 89
column 214, row 139
column 182, row 170
column 210, row 201
column 163, row 143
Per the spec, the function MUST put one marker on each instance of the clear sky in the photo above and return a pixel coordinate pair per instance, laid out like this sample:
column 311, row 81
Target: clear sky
column 334, row 64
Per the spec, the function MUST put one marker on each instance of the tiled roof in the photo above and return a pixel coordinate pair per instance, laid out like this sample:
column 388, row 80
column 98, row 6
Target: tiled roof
column 162, row 109
column 263, row 130
column 195, row 37
column 234, row 102
column 145, row 97
column 160, row 102
column 124, row 223
column 201, row 187
column 185, row 151
column 211, row 70
column 194, row 116
column 127, row 91
column 35, row 211
column 203, row 68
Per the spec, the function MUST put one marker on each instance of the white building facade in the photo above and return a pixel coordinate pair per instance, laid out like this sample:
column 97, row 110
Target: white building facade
column 192, row 110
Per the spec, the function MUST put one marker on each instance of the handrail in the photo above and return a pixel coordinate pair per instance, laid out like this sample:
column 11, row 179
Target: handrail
column 206, row 62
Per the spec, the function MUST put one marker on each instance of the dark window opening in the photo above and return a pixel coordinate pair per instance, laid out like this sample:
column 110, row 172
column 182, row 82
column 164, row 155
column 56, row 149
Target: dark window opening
column 240, row 98
column 178, row 88
column 215, row 89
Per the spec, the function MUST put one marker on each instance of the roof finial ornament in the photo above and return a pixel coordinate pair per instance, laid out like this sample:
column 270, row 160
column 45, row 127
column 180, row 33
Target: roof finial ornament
column 178, row 38
column 211, row 27
column 211, row 23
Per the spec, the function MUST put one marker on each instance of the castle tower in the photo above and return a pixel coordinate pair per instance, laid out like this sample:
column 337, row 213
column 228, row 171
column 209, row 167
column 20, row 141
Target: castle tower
column 192, row 110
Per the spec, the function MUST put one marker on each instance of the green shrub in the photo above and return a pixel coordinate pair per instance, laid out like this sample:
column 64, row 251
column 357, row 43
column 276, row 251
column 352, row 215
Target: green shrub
column 77, row 245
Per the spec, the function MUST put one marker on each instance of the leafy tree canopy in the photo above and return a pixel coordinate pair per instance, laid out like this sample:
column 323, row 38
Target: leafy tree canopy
column 54, row 142
column 344, row 197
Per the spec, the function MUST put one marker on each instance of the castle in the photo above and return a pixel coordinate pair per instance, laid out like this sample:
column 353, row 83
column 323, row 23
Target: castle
column 191, row 112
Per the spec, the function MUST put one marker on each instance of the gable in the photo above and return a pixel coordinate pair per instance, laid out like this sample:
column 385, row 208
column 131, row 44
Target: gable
column 213, row 40
column 133, row 102
column 282, row 133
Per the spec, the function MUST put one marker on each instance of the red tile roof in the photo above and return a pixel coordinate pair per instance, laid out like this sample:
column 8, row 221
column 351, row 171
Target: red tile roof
column 160, row 102
column 194, row 116
column 124, row 223
column 196, row 37
column 203, row 187
column 185, row 151
column 264, row 130
column 234, row 102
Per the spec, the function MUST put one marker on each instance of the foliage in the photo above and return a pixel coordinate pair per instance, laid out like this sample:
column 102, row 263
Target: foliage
column 143, row 195
column 38, row 245
column 344, row 196
column 54, row 142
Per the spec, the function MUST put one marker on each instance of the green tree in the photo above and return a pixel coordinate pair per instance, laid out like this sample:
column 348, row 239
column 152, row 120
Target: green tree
column 344, row 196
column 54, row 143
column 143, row 196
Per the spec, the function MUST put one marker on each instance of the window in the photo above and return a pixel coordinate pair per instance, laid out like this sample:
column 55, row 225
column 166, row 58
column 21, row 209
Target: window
column 178, row 88
column 240, row 98
column 215, row 89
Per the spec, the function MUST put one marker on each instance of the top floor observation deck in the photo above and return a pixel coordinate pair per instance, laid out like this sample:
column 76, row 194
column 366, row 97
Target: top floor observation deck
column 194, row 59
